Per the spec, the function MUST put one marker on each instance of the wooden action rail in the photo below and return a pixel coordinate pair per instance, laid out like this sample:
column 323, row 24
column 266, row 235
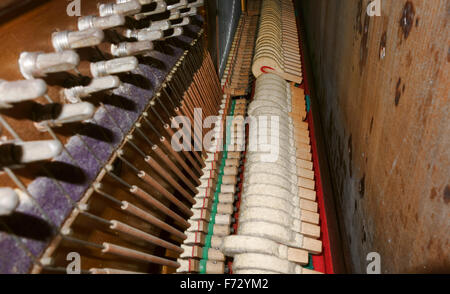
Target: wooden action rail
column 277, row 46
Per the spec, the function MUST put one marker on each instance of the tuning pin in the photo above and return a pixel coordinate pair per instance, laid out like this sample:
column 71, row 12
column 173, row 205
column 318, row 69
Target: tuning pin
column 122, row 7
column 114, row 66
column 160, row 25
column 68, row 113
column 176, row 32
column 188, row 12
column 180, row 22
column 180, row 4
column 144, row 35
column 9, row 201
column 161, row 7
column 77, row 39
column 101, row 23
column 198, row 3
column 18, row 91
column 174, row 14
column 17, row 153
column 74, row 95
column 38, row 64
column 142, row 2
column 131, row 48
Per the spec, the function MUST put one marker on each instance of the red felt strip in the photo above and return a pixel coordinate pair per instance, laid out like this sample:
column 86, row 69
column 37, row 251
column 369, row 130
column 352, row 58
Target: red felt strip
column 323, row 262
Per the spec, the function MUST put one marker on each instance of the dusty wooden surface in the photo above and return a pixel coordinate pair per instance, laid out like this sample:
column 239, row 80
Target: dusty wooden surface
column 382, row 86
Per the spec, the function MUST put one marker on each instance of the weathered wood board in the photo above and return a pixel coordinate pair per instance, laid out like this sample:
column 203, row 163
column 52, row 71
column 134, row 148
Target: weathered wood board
column 383, row 90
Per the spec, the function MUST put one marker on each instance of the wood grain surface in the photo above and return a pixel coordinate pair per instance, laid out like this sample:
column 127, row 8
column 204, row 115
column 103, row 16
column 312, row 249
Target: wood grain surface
column 383, row 90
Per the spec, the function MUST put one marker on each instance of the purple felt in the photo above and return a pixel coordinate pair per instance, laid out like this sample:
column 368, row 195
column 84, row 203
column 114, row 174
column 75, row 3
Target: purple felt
column 57, row 198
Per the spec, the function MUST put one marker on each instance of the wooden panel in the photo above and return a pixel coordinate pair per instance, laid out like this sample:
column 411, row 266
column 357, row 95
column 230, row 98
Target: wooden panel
column 8, row 3
column 12, row 8
column 382, row 86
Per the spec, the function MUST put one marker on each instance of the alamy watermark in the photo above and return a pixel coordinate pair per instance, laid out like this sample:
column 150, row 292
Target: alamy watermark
column 74, row 8
column 374, row 8
column 264, row 134
column 374, row 265
column 74, row 267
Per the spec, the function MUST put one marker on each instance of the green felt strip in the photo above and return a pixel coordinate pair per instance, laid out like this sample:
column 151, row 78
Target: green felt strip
column 203, row 266
column 310, row 263
column 212, row 220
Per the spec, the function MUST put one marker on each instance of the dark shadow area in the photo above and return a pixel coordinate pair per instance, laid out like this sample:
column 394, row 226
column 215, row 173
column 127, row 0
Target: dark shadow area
column 46, row 112
column 164, row 47
column 189, row 32
column 153, row 62
column 35, row 228
column 177, row 43
column 111, row 36
column 87, row 129
column 10, row 154
column 113, row 100
column 63, row 172
column 57, row 170
column 66, row 80
column 136, row 80
column 93, row 54
column 195, row 21
column 36, row 112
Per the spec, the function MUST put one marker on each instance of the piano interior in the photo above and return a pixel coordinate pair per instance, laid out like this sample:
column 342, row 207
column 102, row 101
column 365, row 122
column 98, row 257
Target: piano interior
column 224, row 137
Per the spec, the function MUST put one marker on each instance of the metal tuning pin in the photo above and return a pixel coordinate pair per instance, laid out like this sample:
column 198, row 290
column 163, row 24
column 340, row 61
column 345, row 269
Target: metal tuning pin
column 77, row 39
column 17, row 153
column 39, row 64
column 160, row 25
column 114, row 66
column 18, row 91
column 75, row 94
column 174, row 14
column 68, row 113
column 121, row 7
column 180, row 22
column 101, row 23
column 9, row 201
column 131, row 48
column 180, row 4
column 176, row 32
column 144, row 35
column 142, row 2
column 161, row 7
column 188, row 12
column 198, row 3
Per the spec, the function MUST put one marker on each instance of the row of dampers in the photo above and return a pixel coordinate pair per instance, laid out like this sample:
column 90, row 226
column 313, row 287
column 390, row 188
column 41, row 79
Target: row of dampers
column 277, row 45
